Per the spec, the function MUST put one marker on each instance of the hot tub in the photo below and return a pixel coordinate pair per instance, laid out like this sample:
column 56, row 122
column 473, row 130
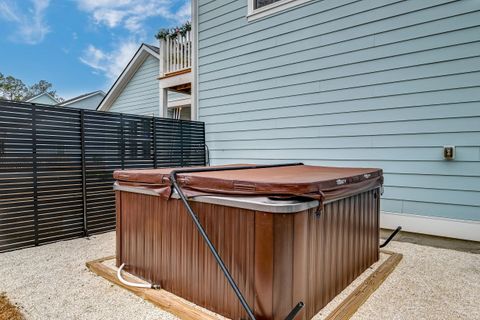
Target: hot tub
column 286, row 234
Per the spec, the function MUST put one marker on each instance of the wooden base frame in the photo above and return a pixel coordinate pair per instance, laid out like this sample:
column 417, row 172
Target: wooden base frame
column 347, row 308
column 186, row 310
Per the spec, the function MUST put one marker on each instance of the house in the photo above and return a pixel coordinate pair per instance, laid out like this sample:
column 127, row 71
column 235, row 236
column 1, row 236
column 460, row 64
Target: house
column 364, row 83
column 43, row 98
column 138, row 89
column 89, row 100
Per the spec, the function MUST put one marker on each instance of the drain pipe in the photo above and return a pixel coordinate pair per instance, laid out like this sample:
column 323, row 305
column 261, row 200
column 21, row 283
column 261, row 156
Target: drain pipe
column 132, row 284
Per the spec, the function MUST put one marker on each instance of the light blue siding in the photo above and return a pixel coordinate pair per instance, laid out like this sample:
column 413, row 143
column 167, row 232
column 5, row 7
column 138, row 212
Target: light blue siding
column 350, row 83
column 90, row 103
column 141, row 94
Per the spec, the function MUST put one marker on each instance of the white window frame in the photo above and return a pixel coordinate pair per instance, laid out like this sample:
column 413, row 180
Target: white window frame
column 272, row 8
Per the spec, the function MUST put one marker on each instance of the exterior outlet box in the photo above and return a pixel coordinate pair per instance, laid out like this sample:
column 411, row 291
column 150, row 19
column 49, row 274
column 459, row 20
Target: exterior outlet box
column 449, row 152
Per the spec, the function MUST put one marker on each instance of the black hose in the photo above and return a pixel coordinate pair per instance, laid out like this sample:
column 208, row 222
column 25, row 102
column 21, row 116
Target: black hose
column 213, row 250
column 394, row 233
column 295, row 311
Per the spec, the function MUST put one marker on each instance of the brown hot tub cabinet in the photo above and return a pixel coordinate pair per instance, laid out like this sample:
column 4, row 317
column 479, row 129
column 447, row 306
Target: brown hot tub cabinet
column 286, row 234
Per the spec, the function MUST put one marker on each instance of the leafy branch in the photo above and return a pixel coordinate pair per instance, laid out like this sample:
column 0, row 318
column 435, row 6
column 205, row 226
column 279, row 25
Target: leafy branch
column 173, row 33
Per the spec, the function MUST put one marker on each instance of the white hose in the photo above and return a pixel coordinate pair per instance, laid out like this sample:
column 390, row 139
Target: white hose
column 132, row 284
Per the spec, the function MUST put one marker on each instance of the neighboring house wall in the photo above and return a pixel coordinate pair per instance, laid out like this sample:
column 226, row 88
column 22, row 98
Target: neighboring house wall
column 350, row 83
column 141, row 94
column 90, row 103
column 43, row 99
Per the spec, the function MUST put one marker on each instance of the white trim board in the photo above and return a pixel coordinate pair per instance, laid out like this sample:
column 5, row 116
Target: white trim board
column 177, row 80
column 437, row 226
column 194, row 95
column 180, row 103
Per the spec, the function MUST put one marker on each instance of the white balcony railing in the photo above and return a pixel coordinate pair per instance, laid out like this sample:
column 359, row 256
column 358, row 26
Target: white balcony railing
column 178, row 53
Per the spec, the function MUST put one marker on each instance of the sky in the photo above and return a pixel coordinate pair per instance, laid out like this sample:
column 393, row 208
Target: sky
column 79, row 45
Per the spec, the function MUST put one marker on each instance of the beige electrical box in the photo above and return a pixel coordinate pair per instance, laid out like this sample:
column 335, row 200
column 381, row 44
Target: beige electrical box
column 449, row 152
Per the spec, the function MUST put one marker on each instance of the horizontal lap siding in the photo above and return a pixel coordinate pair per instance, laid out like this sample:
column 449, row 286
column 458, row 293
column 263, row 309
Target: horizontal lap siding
column 140, row 96
column 350, row 83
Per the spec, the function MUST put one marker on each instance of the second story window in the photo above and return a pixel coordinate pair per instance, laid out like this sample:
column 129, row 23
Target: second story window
column 261, row 8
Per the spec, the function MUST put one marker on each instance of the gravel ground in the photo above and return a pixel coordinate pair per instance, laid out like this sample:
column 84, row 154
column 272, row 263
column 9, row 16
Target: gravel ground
column 52, row 282
column 429, row 283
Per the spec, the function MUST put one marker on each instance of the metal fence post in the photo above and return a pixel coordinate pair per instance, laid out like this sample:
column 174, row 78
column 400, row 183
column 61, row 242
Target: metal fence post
column 34, row 172
column 206, row 155
column 154, row 132
column 181, row 143
column 84, row 173
column 122, row 141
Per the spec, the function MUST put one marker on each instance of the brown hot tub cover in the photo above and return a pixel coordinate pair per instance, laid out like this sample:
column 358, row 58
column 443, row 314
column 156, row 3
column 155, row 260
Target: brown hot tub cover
column 316, row 182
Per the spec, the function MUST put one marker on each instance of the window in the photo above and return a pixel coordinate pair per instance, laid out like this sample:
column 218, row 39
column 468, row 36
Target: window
column 263, row 3
column 262, row 8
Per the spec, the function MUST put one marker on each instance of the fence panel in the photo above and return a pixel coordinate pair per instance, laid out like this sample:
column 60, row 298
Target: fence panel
column 58, row 174
column 56, row 166
column 103, row 154
column 17, row 218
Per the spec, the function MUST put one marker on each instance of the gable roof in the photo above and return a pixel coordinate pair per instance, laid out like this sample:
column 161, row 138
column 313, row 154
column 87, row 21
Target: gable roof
column 153, row 48
column 133, row 65
column 81, row 97
column 42, row 94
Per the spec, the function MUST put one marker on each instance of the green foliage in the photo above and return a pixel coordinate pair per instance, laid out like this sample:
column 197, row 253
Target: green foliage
column 14, row 89
column 172, row 33
column 162, row 34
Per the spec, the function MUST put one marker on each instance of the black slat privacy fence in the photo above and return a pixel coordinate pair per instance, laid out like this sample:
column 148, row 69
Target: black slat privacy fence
column 56, row 166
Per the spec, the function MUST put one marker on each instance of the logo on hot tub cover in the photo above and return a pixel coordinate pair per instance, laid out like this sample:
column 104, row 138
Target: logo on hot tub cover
column 341, row 181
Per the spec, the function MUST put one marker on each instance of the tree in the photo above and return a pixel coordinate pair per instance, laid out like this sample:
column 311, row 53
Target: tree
column 41, row 87
column 14, row 89
column 2, row 78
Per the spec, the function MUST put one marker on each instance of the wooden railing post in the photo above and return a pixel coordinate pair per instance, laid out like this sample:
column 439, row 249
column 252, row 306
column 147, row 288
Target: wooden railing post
column 163, row 67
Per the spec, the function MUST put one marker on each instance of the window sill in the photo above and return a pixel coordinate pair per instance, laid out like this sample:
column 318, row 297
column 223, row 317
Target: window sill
column 254, row 14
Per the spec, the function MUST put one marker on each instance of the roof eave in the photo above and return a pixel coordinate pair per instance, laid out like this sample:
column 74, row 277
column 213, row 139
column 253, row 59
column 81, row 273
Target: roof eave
column 125, row 76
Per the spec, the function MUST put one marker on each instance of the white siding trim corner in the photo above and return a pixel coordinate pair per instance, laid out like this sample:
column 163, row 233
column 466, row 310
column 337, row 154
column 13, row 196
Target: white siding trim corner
column 194, row 98
column 437, row 226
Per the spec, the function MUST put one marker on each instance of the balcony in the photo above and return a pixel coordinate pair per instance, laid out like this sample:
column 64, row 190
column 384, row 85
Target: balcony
column 176, row 62
column 176, row 56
